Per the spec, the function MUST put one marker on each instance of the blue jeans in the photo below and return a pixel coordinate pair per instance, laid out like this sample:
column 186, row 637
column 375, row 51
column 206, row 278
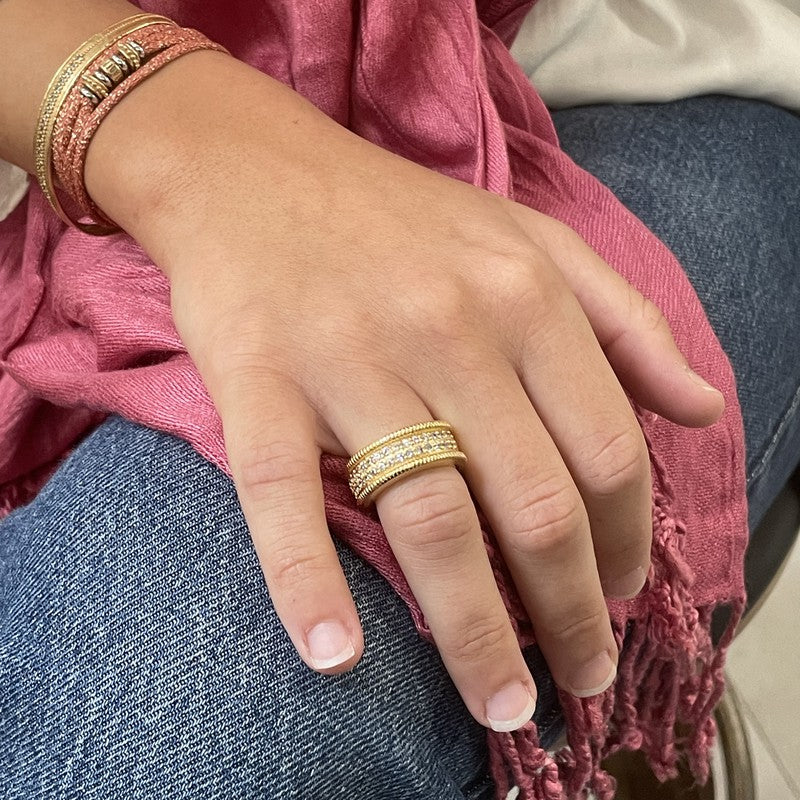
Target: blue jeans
column 140, row 655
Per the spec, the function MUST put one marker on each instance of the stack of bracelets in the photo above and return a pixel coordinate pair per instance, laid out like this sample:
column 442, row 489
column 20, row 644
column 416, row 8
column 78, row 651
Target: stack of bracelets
column 85, row 88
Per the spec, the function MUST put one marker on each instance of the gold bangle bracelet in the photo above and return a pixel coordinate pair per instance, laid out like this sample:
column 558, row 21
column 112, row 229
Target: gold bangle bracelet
column 64, row 80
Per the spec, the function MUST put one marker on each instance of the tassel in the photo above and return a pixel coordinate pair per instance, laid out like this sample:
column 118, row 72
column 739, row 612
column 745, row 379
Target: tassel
column 669, row 679
column 534, row 772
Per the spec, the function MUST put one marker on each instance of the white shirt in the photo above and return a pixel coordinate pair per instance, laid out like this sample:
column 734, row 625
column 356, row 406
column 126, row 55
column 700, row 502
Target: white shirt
column 13, row 185
column 578, row 52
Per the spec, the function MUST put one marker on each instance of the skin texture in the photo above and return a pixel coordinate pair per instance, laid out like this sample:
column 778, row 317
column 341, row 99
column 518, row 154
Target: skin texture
column 324, row 312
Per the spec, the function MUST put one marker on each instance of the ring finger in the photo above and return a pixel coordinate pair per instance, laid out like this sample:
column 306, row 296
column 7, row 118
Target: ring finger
column 433, row 529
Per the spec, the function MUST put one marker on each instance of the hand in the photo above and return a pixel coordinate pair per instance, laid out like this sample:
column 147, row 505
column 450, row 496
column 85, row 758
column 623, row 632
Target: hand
column 331, row 292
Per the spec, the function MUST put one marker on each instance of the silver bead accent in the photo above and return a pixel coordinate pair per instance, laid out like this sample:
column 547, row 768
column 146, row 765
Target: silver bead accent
column 96, row 86
column 103, row 78
column 88, row 93
column 130, row 55
column 121, row 63
column 127, row 59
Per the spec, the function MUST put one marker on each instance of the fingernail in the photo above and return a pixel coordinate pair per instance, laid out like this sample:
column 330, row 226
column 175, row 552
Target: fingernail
column 627, row 586
column 510, row 708
column 329, row 644
column 593, row 677
column 699, row 381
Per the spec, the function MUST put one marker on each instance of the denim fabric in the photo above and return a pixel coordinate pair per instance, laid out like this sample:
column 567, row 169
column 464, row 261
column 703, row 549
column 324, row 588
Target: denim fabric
column 140, row 655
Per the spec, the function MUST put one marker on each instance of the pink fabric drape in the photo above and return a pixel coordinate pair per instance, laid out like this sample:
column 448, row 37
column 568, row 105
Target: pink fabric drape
column 86, row 329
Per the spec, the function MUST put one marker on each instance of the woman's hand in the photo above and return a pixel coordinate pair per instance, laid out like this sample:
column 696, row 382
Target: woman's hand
column 331, row 292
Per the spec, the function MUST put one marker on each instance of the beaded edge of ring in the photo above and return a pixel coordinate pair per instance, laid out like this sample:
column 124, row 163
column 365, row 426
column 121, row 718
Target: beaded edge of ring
column 63, row 82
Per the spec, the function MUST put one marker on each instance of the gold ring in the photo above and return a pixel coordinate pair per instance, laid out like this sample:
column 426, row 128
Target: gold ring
column 410, row 449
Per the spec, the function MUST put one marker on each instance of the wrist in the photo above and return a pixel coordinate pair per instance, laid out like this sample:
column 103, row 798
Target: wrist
column 136, row 158
column 171, row 143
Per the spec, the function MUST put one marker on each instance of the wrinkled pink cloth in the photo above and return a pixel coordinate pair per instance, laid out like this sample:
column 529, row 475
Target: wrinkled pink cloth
column 85, row 329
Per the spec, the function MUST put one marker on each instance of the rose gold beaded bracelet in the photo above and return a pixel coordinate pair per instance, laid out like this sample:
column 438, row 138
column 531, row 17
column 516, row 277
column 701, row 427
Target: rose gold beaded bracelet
column 86, row 87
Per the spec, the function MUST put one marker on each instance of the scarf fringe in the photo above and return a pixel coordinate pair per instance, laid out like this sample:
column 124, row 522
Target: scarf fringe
column 660, row 706
column 669, row 680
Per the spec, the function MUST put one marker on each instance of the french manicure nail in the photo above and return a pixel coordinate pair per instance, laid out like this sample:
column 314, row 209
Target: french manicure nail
column 510, row 708
column 593, row 677
column 627, row 586
column 329, row 644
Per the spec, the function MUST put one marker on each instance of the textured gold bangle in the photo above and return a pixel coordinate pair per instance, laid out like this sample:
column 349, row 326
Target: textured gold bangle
column 64, row 80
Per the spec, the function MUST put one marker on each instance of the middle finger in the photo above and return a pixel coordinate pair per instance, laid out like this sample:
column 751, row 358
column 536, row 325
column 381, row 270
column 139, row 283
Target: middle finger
column 526, row 491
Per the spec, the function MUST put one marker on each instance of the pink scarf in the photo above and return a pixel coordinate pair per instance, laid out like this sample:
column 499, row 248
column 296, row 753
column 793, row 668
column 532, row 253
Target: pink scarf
column 85, row 329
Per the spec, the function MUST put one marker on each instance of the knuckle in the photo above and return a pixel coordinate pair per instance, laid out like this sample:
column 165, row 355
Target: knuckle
column 547, row 518
column 510, row 275
column 652, row 318
column 432, row 514
column 263, row 467
column 290, row 567
column 441, row 313
column 246, row 343
column 524, row 281
column 583, row 625
column 476, row 639
column 527, row 299
column 241, row 373
column 619, row 464
column 235, row 339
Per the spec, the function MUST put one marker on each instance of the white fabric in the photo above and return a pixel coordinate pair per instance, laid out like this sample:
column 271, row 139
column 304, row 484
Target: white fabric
column 13, row 185
column 578, row 52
